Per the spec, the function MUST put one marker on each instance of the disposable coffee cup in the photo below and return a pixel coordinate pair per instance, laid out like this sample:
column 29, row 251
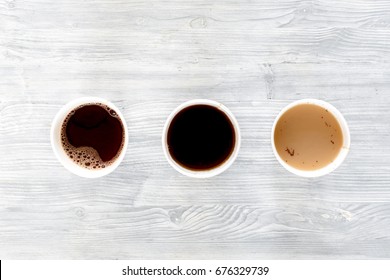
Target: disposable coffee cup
column 230, row 129
column 344, row 143
column 57, row 134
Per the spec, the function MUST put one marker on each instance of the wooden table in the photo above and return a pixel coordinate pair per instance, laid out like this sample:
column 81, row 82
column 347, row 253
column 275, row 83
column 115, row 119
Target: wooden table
column 147, row 57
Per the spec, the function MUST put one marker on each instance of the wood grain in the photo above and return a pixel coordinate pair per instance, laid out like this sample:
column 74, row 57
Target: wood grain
column 279, row 45
column 264, row 230
column 148, row 57
column 202, row 14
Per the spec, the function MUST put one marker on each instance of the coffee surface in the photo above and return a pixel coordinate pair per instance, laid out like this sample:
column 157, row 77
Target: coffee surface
column 201, row 137
column 93, row 136
column 308, row 137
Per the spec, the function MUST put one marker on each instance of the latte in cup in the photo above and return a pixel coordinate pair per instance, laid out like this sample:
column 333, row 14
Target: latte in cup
column 310, row 138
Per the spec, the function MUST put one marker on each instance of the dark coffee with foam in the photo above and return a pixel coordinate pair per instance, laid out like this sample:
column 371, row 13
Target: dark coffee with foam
column 92, row 135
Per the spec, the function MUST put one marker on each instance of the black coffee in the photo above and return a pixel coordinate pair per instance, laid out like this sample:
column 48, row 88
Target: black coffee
column 93, row 135
column 201, row 137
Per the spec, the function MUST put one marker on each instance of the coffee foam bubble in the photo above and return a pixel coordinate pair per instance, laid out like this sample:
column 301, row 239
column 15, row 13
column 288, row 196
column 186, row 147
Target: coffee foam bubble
column 87, row 157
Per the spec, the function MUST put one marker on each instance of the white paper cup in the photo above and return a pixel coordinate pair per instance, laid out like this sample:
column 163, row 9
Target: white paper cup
column 343, row 151
column 55, row 137
column 209, row 172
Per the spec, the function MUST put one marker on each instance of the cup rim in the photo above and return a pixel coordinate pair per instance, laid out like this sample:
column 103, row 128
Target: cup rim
column 55, row 138
column 343, row 151
column 213, row 171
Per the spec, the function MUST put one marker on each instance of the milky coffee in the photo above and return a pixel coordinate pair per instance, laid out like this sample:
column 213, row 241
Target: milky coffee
column 308, row 137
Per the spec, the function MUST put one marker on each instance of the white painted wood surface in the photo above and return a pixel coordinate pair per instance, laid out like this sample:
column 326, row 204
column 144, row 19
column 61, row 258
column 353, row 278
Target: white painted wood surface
column 149, row 56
